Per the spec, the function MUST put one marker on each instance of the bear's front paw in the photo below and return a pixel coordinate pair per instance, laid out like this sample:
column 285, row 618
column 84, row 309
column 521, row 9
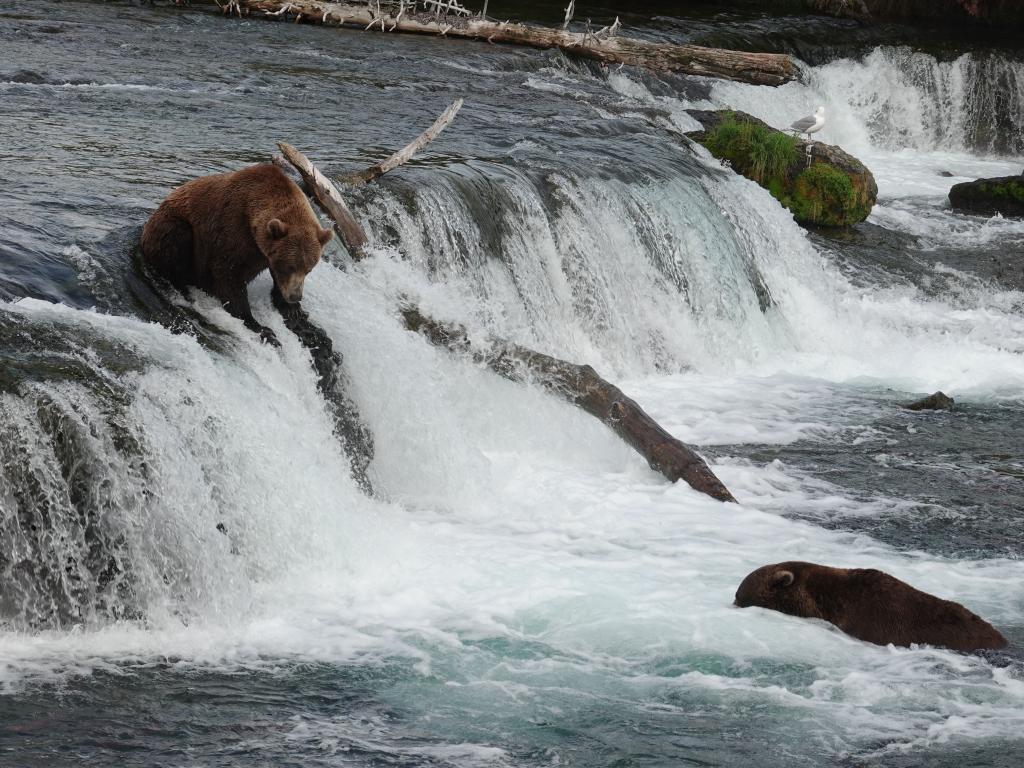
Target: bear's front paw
column 268, row 336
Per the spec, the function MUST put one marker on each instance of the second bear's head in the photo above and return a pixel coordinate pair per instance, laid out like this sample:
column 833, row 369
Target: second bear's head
column 292, row 251
column 781, row 587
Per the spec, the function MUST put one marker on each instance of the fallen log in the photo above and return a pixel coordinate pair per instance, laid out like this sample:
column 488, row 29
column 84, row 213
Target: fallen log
column 578, row 384
column 353, row 433
column 583, row 387
column 330, row 201
column 604, row 45
column 329, row 365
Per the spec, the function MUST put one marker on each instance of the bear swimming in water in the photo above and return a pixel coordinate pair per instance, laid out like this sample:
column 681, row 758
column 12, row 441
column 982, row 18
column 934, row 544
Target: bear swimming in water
column 217, row 233
column 868, row 604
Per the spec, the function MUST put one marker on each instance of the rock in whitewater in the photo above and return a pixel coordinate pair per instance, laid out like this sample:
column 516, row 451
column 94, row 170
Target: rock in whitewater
column 819, row 183
column 1003, row 195
column 939, row 401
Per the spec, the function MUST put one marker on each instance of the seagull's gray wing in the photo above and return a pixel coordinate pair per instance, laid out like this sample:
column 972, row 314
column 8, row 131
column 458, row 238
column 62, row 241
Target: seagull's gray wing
column 804, row 123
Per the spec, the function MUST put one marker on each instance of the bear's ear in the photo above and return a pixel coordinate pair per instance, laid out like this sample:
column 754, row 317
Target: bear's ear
column 782, row 579
column 276, row 229
column 325, row 236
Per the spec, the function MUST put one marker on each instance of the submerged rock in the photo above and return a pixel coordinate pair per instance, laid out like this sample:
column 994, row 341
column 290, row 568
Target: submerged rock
column 1003, row 195
column 938, row 401
column 819, row 183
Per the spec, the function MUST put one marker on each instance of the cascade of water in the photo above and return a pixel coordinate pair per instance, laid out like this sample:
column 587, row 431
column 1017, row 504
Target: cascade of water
column 173, row 506
column 897, row 98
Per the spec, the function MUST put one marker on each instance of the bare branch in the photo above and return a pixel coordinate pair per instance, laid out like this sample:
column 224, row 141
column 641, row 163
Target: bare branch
column 405, row 154
column 330, row 200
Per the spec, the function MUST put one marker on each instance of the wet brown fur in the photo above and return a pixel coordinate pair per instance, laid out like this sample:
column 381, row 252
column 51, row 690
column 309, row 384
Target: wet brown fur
column 868, row 604
column 217, row 233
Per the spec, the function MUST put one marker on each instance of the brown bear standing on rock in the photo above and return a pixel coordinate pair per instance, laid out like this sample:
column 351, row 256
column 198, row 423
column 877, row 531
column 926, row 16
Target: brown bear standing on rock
column 868, row 604
column 218, row 232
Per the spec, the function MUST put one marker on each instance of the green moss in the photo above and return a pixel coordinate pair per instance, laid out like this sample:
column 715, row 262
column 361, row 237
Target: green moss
column 822, row 194
column 723, row 141
column 1012, row 190
column 816, row 194
column 755, row 151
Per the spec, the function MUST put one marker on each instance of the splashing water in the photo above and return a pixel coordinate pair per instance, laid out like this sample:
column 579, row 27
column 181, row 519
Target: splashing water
column 524, row 590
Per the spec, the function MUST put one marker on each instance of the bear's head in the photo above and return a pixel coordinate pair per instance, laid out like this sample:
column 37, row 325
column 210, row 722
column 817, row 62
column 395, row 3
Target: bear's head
column 781, row 587
column 292, row 251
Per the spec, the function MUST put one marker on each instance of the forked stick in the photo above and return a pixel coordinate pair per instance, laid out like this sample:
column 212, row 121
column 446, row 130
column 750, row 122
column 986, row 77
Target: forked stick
column 330, row 200
column 405, row 154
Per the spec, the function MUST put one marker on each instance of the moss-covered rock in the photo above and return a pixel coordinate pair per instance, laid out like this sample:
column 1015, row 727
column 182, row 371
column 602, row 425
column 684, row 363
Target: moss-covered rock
column 819, row 183
column 990, row 196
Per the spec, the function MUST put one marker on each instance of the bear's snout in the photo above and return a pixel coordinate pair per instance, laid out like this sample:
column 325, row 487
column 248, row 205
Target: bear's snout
column 291, row 288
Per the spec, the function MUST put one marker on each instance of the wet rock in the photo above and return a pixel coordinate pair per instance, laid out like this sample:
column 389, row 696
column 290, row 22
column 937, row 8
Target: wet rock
column 1003, row 195
column 819, row 183
column 946, row 174
column 938, row 401
column 27, row 76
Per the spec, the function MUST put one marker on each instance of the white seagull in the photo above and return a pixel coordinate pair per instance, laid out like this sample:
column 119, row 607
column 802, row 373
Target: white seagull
column 809, row 125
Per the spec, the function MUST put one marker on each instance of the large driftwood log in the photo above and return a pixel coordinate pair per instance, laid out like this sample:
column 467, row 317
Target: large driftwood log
column 583, row 387
column 579, row 384
column 604, row 45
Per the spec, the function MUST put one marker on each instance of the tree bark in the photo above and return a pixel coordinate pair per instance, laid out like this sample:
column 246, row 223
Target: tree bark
column 583, row 387
column 604, row 46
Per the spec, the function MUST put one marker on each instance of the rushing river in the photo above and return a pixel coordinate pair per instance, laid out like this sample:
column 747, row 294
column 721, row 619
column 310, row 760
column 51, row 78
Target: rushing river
column 522, row 590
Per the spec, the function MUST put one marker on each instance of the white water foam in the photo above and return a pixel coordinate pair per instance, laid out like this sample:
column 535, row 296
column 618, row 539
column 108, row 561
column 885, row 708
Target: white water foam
column 511, row 516
column 920, row 125
column 507, row 515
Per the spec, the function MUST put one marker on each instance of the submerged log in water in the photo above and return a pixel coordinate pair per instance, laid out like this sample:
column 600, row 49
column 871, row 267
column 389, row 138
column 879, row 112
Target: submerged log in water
column 602, row 45
column 583, row 387
column 579, row 384
column 349, row 427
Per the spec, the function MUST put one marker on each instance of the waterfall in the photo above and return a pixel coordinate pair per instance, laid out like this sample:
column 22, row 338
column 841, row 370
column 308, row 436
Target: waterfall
column 178, row 524
column 897, row 98
column 127, row 445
